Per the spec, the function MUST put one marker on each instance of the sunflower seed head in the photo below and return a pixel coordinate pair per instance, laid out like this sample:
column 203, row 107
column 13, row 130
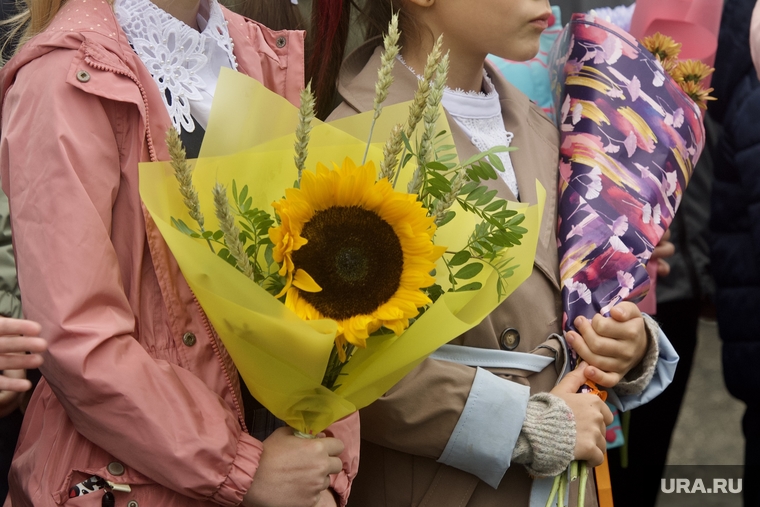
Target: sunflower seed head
column 230, row 230
column 184, row 174
column 303, row 131
column 417, row 109
column 388, row 59
column 393, row 146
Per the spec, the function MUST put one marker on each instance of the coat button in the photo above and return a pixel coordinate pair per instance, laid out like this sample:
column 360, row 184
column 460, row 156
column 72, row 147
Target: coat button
column 188, row 339
column 83, row 76
column 133, row 503
column 115, row 468
column 509, row 339
column 281, row 41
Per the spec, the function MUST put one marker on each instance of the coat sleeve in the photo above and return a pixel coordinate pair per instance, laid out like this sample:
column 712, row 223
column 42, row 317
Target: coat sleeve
column 754, row 38
column 60, row 166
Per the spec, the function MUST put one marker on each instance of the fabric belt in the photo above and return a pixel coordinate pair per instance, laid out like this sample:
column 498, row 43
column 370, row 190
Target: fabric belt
column 492, row 358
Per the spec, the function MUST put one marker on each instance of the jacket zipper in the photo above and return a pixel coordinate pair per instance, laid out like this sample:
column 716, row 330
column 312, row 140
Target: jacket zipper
column 154, row 158
column 148, row 137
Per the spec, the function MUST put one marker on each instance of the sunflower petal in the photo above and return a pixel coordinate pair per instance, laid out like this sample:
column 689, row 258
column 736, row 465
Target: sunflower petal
column 305, row 282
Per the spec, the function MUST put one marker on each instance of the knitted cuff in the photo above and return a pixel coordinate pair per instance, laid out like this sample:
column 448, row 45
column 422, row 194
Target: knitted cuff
column 547, row 440
column 636, row 380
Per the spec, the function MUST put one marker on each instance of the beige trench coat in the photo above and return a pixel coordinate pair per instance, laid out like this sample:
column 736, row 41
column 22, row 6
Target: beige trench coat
column 406, row 431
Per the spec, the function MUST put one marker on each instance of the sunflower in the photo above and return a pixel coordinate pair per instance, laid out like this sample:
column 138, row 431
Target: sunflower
column 662, row 46
column 354, row 251
column 691, row 70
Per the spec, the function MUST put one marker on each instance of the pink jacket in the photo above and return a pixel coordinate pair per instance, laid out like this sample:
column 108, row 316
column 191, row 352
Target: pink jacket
column 137, row 388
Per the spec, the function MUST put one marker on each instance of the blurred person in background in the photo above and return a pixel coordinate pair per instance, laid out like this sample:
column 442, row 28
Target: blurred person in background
column 735, row 223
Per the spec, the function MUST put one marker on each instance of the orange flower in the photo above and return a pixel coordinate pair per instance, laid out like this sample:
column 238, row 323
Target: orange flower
column 697, row 92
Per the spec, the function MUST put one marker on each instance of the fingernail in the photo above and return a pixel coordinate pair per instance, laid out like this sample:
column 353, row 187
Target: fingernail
column 570, row 338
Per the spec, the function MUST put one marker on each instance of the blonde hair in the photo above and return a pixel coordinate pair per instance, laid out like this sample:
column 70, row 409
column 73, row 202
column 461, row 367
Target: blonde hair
column 32, row 18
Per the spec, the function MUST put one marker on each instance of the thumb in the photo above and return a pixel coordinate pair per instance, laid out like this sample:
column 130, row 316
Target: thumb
column 573, row 380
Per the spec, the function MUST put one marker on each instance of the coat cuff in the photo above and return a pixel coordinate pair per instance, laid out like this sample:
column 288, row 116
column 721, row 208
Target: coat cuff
column 486, row 433
column 652, row 376
column 240, row 476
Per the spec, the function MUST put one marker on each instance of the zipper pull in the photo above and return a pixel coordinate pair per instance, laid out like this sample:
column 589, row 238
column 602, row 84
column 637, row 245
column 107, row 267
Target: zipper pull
column 122, row 488
column 108, row 500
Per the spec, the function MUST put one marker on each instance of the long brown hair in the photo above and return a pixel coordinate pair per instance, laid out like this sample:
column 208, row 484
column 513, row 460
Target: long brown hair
column 330, row 29
column 274, row 14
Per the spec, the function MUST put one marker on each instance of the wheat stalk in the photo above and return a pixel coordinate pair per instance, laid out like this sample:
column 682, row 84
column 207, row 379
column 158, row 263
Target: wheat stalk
column 231, row 231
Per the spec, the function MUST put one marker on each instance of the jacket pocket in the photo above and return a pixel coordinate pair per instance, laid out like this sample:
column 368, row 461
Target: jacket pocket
column 120, row 485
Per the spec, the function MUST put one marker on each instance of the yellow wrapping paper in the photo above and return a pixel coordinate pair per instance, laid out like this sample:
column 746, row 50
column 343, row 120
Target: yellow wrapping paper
column 282, row 358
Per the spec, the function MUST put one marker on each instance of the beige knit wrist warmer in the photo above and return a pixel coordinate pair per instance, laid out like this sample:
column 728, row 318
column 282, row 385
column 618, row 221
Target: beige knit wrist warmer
column 639, row 377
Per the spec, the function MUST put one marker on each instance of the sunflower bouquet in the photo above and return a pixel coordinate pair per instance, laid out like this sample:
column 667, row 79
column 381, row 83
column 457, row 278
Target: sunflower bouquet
column 326, row 281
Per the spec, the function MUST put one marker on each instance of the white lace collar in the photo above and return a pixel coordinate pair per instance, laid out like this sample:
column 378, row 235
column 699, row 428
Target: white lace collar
column 181, row 59
column 479, row 116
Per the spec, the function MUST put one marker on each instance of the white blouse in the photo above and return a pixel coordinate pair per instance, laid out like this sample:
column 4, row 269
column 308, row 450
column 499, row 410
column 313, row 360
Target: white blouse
column 479, row 115
column 183, row 61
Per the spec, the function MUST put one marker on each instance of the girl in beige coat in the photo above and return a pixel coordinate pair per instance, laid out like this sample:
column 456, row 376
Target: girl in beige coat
column 448, row 433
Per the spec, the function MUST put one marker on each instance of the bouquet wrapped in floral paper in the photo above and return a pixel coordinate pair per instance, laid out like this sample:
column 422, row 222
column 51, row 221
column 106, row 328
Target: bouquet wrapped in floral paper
column 631, row 132
column 327, row 291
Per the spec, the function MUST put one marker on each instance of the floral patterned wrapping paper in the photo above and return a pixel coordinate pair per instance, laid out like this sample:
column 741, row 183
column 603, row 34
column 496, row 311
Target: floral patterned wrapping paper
column 630, row 138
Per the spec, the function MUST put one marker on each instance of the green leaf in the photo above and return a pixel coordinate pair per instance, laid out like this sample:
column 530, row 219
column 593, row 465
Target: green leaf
column 447, row 157
column 469, row 286
column 243, row 194
column 496, row 162
column 444, row 147
column 268, row 254
column 407, row 158
column 436, row 166
column 183, row 228
column 234, row 191
column 439, row 134
column 460, row 258
column 469, row 271
column 218, row 235
column 497, row 204
column 476, row 194
column 507, row 213
column 207, row 234
column 448, row 217
column 470, row 161
column 407, row 143
column 468, row 187
column 486, row 198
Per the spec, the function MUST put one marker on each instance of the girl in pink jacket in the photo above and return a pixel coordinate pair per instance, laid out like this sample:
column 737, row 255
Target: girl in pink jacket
column 140, row 404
